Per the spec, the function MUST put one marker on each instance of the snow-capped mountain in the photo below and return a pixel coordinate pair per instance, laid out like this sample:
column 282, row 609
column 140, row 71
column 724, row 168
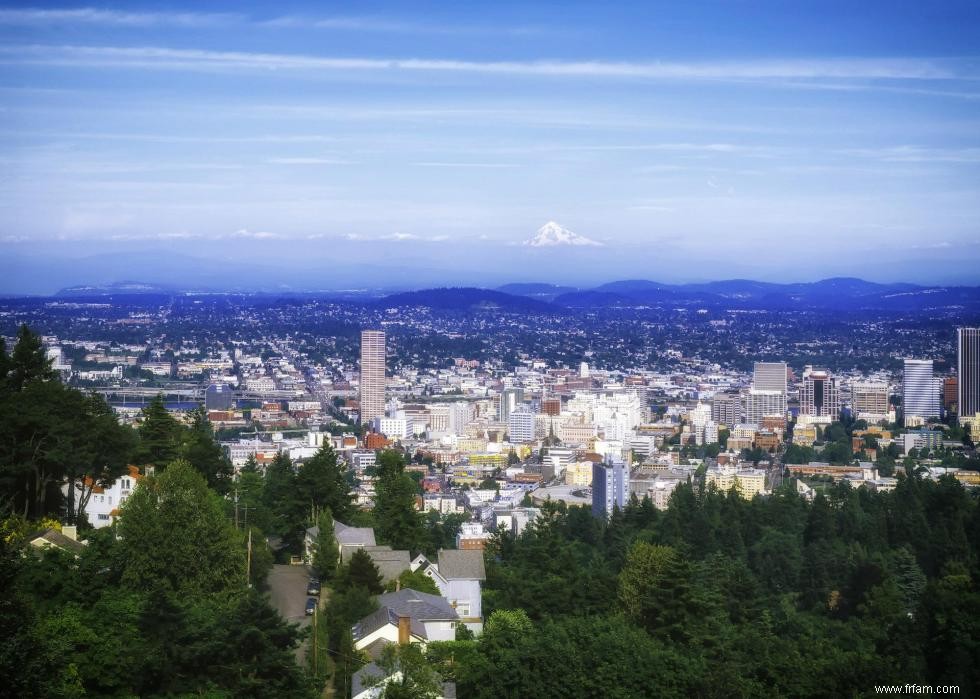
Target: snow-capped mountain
column 552, row 234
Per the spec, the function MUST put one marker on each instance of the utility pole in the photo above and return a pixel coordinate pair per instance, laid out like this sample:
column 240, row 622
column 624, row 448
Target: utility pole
column 236, row 506
column 248, row 564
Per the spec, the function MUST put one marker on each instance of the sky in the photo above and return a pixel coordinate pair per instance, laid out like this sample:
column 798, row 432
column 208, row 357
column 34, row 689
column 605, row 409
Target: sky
column 325, row 144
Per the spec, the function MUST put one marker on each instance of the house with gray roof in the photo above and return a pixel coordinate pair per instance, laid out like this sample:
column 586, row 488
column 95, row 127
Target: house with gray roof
column 405, row 616
column 348, row 539
column 459, row 575
column 371, row 673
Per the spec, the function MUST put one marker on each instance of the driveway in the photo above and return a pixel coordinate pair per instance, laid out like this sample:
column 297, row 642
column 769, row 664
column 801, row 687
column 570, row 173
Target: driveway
column 287, row 594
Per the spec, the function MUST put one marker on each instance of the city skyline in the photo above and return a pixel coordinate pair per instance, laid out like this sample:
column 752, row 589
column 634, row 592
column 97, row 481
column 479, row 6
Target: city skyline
column 444, row 137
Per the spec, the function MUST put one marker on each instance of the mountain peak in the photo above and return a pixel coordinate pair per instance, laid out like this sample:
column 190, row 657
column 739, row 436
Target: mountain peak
column 552, row 234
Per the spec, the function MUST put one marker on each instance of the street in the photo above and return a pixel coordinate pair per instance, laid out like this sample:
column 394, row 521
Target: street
column 287, row 594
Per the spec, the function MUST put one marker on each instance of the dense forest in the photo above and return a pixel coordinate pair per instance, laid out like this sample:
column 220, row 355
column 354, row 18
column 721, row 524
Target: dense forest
column 714, row 597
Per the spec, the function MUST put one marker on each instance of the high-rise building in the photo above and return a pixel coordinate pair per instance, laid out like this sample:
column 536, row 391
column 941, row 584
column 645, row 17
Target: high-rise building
column 372, row 382
column 759, row 404
column 819, row 395
column 968, row 372
column 769, row 376
column 520, row 425
column 726, row 408
column 920, row 394
column 869, row 398
column 610, row 485
column 510, row 398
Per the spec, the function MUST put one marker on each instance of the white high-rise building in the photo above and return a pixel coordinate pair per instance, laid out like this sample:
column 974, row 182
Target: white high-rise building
column 520, row 425
column 610, row 485
column 769, row 376
column 583, row 370
column 759, row 404
column 372, row 380
column 920, row 394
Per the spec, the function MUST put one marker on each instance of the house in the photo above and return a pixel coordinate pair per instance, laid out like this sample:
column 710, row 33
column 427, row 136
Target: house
column 459, row 575
column 65, row 540
column 348, row 539
column 390, row 562
column 104, row 502
column 361, row 679
column 405, row 616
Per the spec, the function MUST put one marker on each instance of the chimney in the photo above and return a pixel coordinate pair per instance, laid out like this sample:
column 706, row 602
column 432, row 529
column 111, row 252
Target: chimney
column 404, row 630
column 71, row 531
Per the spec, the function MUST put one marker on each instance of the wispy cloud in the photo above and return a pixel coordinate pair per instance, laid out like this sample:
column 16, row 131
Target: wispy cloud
column 466, row 165
column 195, row 59
column 91, row 15
column 917, row 154
column 258, row 235
column 310, row 161
column 393, row 26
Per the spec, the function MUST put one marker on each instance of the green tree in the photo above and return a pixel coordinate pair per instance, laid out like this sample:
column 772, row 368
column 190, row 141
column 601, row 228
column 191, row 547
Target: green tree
column 174, row 533
column 323, row 483
column 197, row 447
column 325, row 555
column 28, row 363
column 398, row 522
column 416, row 679
column 160, row 435
column 361, row 572
column 281, row 497
column 416, row 580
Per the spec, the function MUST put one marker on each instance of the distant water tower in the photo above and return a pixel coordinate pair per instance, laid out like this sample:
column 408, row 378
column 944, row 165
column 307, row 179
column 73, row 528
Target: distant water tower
column 583, row 370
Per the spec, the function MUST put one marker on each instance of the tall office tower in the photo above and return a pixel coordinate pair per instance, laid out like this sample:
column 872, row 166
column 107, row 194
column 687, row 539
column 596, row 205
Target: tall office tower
column 509, row 399
column 610, row 485
column 869, row 398
column 819, row 395
column 769, row 376
column 726, row 408
column 920, row 394
column 372, row 383
column 759, row 404
column 968, row 372
column 520, row 425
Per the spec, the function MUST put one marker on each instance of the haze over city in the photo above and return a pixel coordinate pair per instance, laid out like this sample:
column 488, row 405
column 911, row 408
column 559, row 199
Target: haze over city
column 378, row 144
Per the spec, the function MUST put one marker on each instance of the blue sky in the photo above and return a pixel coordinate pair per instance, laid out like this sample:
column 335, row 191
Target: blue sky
column 693, row 140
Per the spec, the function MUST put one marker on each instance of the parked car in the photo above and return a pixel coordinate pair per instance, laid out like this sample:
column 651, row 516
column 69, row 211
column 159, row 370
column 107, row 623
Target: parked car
column 311, row 605
column 313, row 587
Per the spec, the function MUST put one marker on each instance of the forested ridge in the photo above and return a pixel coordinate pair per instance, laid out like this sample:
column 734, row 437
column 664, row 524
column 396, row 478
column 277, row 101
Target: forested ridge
column 714, row 597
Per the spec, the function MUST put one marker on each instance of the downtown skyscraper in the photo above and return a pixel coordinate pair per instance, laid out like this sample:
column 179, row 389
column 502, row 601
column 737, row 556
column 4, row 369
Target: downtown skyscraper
column 920, row 394
column 372, row 381
column 968, row 372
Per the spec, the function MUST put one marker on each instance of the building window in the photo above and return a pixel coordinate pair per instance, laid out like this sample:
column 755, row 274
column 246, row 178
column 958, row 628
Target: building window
column 103, row 517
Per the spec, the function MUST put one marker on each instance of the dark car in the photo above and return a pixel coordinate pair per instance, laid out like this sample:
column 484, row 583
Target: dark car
column 311, row 605
column 313, row 587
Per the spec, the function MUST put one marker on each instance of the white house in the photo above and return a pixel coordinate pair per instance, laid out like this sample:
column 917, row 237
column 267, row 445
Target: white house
column 103, row 505
column 459, row 576
column 405, row 616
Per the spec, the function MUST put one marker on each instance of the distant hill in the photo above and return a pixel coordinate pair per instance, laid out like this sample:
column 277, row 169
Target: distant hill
column 116, row 289
column 468, row 299
column 536, row 290
column 842, row 293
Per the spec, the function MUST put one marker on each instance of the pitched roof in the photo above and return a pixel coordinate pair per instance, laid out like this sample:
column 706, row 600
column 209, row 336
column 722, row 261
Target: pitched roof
column 390, row 563
column 353, row 536
column 383, row 616
column 52, row 537
column 462, row 564
column 418, row 605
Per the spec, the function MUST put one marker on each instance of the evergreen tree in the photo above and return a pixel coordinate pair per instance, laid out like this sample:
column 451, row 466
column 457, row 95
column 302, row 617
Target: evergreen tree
column 323, row 483
column 361, row 572
column 197, row 447
column 28, row 362
column 160, row 435
column 281, row 498
column 325, row 555
column 398, row 523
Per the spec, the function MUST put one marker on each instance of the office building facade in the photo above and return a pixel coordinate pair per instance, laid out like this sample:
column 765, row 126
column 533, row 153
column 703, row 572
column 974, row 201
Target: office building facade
column 372, row 381
column 920, row 394
column 819, row 395
column 968, row 372
column 610, row 485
